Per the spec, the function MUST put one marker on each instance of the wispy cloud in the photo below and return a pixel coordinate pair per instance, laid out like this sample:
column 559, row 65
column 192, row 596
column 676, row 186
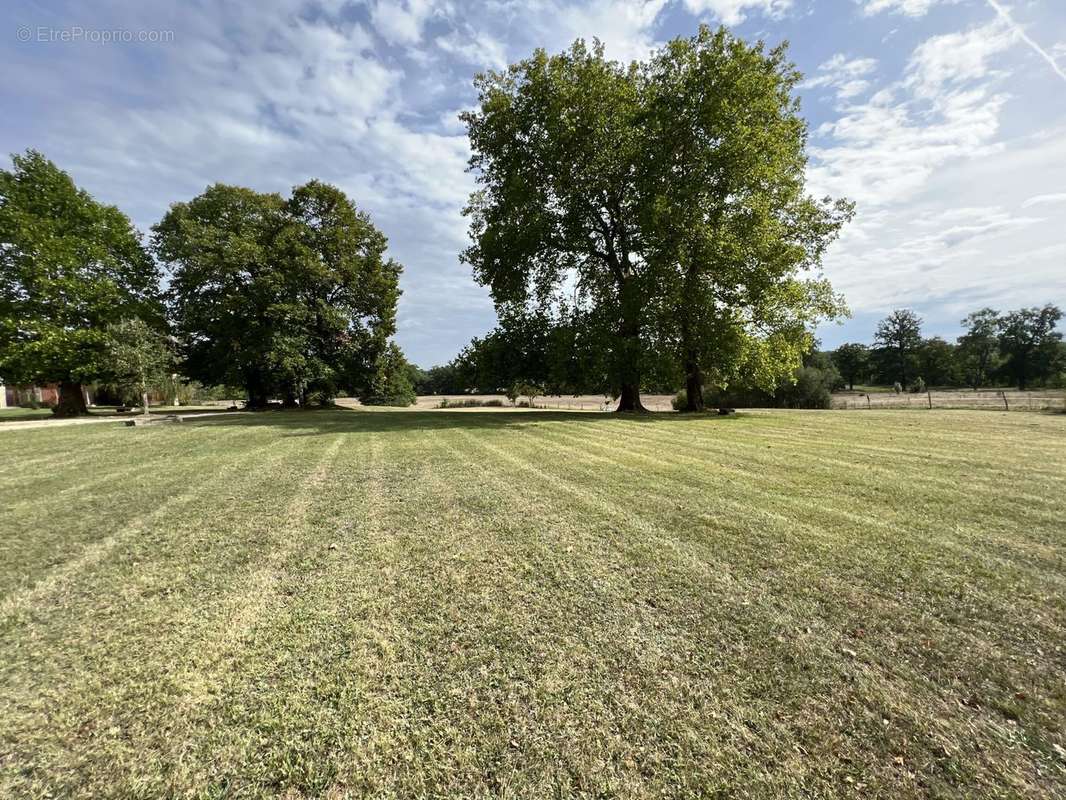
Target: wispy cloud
column 734, row 12
column 1044, row 200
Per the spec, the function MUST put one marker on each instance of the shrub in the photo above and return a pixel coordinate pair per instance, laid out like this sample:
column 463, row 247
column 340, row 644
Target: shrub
column 470, row 402
column 918, row 387
column 680, row 400
column 811, row 388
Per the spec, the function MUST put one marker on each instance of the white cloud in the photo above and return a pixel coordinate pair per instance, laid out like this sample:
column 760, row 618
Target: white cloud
column 734, row 12
column 624, row 26
column 848, row 76
column 1044, row 200
column 481, row 50
column 401, row 21
column 955, row 58
column 911, row 8
column 908, row 154
column 944, row 108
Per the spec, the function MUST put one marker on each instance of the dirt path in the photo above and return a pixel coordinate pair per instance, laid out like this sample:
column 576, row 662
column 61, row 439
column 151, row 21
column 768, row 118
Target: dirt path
column 58, row 422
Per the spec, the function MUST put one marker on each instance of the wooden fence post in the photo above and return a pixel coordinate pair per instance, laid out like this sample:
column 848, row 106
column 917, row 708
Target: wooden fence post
column 868, row 406
column 1006, row 406
column 929, row 394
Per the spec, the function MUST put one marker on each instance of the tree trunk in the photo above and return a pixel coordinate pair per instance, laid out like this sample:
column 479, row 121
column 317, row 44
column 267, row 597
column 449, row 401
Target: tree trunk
column 693, row 386
column 629, row 399
column 144, row 401
column 71, row 400
column 627, row 357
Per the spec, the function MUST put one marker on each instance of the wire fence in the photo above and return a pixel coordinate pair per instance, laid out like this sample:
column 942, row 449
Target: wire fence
column 993, row 400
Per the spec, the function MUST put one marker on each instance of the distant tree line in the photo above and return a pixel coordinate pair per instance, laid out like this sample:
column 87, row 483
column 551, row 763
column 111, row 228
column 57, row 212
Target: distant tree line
column 288, row 298
column 1019, row 348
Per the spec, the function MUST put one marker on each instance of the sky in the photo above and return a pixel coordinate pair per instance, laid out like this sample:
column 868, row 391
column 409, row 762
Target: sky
column 944, row 120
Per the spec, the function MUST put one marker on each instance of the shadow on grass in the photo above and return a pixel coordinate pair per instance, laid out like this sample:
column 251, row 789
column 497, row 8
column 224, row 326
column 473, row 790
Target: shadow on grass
column 350, row 420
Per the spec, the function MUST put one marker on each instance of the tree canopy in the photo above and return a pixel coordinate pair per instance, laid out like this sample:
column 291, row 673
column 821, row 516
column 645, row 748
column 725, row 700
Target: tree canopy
column 900, row 336
column 665, row 199
column 69, row 267
column 284, row 297
column 727, row 218
column 1029, row 343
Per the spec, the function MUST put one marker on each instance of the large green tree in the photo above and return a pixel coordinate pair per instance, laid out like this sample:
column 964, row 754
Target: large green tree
column 556, row 150
column 899, row 335
column 286, row 298
column 667, row 197
column 978, row 348
column 1029, row 343
column 69, row 267
column 726, row 216
column 853, row 361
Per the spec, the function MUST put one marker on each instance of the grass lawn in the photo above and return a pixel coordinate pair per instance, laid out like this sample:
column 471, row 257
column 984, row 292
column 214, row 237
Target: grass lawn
column 17, row 414
column 407, row 604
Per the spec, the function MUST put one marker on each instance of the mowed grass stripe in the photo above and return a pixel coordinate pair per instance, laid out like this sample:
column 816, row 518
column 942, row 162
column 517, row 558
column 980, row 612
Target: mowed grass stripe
column 721, row 437
column 890, row 491
column 142, row 617
column 53, row 559
column 890, row 499
column 746, row 702
column 103, row 466
column 324, row 654
column 797, row 509
column 820, row 547
column 884, row 662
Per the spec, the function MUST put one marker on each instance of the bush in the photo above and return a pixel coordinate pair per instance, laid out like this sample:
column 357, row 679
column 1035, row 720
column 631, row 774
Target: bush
column 811, row 388
column 918, row 387
column 470, row 402
column 680, row 400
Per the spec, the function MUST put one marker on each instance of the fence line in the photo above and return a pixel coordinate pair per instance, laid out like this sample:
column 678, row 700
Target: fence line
column 994, row 400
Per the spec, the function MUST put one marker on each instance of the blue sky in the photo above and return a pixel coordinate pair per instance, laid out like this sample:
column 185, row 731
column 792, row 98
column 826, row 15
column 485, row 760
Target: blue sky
column 945, row 120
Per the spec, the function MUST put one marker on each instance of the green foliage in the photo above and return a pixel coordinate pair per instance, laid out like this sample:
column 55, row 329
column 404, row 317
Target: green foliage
column 471, row 402
column 284, row 297
column 899, row 336
column 390, row 383
column 978, row 348
column 807, row 387
column 1029, row 344
column 728, row 221
column 139, row 359
column 556, row 148
column 69, row 267
column 669, row 194
column 938, row 364
column 853, row 362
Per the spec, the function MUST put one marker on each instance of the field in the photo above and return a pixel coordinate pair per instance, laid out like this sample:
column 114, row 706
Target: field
column 407, row 604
